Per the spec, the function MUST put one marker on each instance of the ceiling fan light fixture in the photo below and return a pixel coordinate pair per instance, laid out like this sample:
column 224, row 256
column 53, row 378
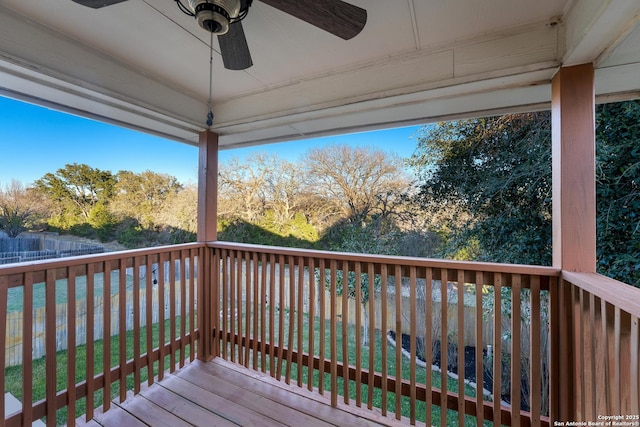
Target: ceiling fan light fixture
column 214, row 16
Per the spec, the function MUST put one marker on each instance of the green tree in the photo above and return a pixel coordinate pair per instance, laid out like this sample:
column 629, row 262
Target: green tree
column 142, row 196
column 496, row 173
column 618, row 190
column 76, row 189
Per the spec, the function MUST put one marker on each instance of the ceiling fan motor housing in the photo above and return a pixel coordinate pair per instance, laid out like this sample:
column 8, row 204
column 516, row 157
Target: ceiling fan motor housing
column 214, row 15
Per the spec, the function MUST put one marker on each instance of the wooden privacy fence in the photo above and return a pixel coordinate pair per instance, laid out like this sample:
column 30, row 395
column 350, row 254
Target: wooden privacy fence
column 34, row 248
column 15, row 322
column 451, row 303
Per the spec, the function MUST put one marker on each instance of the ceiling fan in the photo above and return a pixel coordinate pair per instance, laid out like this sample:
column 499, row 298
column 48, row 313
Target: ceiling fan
column 222, row 18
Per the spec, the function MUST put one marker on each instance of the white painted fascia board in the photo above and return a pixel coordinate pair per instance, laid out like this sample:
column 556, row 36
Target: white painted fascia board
column 30, row 86
column 593, row 28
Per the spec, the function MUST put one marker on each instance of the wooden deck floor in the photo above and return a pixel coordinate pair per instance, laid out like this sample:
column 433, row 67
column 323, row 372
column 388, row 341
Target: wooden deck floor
column 219, row 393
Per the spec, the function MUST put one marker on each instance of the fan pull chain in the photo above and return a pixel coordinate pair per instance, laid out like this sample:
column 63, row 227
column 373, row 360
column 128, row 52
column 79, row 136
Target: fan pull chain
column 210, row 113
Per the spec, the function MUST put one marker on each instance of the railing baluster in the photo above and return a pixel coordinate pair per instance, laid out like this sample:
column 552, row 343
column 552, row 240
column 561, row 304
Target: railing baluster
column 605, row 372
column 224, row 314
column 256, row 309
column 413, row 325
column 263, row 313
column 497, row 348
column 71, row 346
column 635, row 368
column 345, row 331
column 90, row 360
column 384, row 274
column 4, row 300
column 161, row 315
column 444, row 346
column 233, row 311
column 299, row 285
column 211, row 300
column 248, row 308
column 535, row 368
column 137, row 364
column 460, row 332
column 398, row 299
column 591, row 353
column 272, row 314
column 371, row 304
column 192, row 305
column 281, row 310
column 617, row 385
column 311, row 317
column 428, row 343
column 106, row 335
column 292, row 318
column 516, row 318
column 580, row 365
column 172, row 312
column 240, row 296
column 334, row 332
column 148, row 293
column 479, row 347
column 50, row 368
column 183, row 305
column 122, row 314
column 358, row 340
column 27, row 344
column 321, row 290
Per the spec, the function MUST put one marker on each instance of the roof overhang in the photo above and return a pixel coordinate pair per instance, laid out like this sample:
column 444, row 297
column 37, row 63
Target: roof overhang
column 141, row 64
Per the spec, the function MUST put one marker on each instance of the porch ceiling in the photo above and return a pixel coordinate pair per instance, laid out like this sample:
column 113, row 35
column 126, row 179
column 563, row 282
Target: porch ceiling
column 143, row 64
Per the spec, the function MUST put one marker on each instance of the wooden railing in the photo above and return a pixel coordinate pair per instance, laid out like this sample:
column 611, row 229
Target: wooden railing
column 540, row 345
column 77, row 379
column 597, row 370
column 281, row 312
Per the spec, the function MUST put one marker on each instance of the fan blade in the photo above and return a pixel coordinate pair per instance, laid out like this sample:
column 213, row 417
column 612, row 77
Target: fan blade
column 234, row 48
column 337, row 17
column 97, row 4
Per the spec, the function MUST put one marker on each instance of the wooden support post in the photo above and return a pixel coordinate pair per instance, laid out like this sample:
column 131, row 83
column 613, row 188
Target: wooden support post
column 208, row 286
column 207, row 186
column 574, row 225
column 574, row 192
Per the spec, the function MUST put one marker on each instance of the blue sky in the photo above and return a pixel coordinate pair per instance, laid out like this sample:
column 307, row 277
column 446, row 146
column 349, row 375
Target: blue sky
column 36, row 140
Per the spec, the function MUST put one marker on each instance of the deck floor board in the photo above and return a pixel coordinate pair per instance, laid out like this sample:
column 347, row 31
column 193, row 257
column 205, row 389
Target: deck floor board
column 219, row 393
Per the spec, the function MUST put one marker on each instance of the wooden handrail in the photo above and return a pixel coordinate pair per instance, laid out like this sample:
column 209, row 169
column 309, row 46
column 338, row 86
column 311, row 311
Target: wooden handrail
column 616, row 293
column 392, row 260
column 256, row 305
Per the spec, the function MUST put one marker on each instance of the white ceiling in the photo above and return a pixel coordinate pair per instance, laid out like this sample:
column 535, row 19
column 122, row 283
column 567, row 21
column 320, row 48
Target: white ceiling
column 144, row 64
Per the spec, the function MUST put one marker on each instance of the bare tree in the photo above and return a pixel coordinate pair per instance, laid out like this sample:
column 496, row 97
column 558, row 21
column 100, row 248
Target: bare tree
column 21, row 208
column 359, row 182
column 242, row 188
